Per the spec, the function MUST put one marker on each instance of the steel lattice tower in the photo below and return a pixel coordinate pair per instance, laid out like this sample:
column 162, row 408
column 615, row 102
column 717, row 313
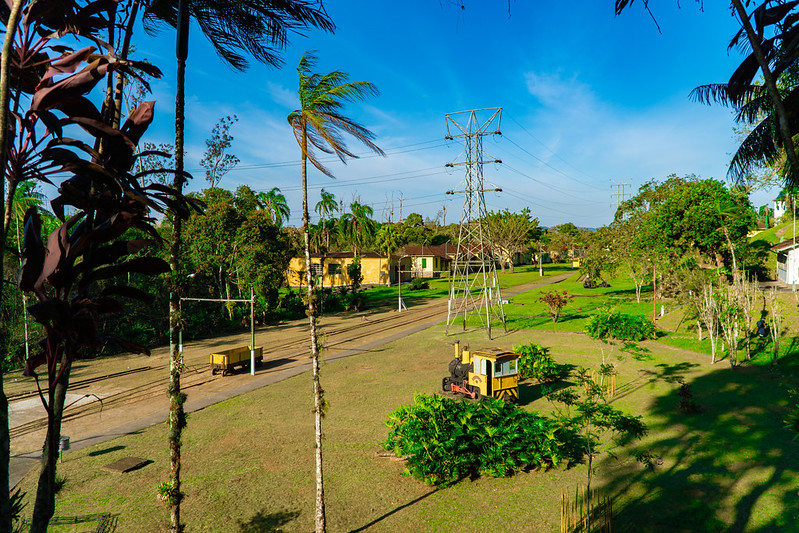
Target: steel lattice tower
column 474, row 288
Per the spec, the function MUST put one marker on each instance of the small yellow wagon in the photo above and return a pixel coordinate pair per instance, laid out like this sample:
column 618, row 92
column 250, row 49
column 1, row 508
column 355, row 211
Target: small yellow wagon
column 225, row 361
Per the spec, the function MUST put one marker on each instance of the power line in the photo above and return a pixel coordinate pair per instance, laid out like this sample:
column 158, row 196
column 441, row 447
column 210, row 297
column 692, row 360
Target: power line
column 371, row 179
column 364, row 155
column 536, row 139
column 550, row 166
column 545, row 184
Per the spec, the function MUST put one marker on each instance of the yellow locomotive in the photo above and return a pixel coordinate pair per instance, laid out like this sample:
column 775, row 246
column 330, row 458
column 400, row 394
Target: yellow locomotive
column 483, row 373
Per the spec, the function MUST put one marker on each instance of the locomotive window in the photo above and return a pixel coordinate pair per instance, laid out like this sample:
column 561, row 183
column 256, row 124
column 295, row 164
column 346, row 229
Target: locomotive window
column 498, row 368
column 511, row 366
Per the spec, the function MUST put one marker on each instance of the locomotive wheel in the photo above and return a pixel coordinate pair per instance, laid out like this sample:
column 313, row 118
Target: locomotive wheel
column 446, row 385
column 507, row 397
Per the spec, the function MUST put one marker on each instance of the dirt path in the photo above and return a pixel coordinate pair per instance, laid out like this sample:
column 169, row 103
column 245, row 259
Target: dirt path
column 122, row 394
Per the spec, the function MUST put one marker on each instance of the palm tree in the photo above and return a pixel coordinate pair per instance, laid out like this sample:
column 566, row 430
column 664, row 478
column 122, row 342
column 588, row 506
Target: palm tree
column 25, row 197
column 261, row 28
column 5, row 70
column 326, row 207
column 358, row 225
column 319, row 125
column 387, row 240
column 275, row 205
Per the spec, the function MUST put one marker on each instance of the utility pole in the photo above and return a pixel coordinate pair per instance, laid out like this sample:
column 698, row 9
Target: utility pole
column 619, row 194
column 475, row 287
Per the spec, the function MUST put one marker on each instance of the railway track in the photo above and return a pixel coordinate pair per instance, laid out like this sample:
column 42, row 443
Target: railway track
column 197, row 374
column 290, row 352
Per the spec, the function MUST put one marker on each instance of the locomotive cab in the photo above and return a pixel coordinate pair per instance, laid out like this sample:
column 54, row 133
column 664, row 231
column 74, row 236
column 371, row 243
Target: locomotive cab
column 481, row 373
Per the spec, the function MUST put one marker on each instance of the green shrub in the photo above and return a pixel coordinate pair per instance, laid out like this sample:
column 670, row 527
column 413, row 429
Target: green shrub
column 555, row 302
column 418, row 284
column 446, row 440
column 536, row 362
column 608, row 323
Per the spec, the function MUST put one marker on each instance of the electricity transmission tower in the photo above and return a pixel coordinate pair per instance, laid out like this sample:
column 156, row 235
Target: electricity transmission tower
column 619, row 194
column 474, row 288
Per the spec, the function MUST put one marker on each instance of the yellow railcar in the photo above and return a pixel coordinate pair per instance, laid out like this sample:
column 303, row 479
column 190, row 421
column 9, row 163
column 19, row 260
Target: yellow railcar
column 225, row 361
column 484, row 373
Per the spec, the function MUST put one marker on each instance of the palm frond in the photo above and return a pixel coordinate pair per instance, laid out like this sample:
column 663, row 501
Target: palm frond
column 237, row 28
column 757, row 149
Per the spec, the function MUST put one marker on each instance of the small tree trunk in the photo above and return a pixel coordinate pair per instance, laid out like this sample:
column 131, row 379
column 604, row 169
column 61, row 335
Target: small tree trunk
column 5, row 438
column 319, row 514
column 177, row 418
column 44, row 508
column 711, row 335
column 120, row 81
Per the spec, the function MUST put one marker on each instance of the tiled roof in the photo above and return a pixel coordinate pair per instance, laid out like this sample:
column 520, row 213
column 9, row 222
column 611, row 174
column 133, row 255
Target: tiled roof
column 348, row 255
column 785, row 245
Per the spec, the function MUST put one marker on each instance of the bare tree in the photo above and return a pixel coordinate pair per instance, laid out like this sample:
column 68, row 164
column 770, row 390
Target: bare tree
column 729, row 316
column 216, row 160
column 776, row 310
column 707, row 307
column 747, row 293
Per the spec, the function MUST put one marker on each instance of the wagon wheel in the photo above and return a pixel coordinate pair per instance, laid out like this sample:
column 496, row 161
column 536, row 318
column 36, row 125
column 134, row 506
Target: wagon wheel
column 225, row 372
column 213, row 371
column 446, row 384
column 477, row 395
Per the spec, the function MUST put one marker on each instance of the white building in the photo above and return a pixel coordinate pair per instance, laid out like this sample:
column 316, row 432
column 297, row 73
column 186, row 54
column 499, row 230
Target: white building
column 787, row 261
column 779, row 207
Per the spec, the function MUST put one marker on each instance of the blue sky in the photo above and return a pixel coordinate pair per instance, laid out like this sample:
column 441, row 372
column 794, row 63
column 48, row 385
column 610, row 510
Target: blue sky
column 588, row 99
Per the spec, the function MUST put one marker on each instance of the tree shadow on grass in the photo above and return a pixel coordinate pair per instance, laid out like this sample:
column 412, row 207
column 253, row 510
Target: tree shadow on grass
column 105, row 451
column 530, row 392
column 394, row 511
column 263, row 522
column 729, row 468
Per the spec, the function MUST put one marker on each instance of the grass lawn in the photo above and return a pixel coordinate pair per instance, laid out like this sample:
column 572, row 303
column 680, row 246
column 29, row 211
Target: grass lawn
column 525, row 311
column 381, row 296
column 248, row 462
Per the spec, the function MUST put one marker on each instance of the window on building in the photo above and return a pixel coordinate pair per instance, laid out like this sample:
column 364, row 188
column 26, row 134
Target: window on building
column 316, row 270
column 334, row 269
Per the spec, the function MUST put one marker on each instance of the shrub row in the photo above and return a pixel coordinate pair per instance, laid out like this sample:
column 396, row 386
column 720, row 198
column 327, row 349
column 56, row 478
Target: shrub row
column 446, row 440
column 615, row 325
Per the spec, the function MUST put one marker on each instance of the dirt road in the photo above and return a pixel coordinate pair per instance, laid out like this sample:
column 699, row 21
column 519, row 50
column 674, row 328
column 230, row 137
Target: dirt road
column 122, row 394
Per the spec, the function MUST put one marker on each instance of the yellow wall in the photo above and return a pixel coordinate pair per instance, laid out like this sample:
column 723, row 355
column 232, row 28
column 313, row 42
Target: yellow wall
column 375, row 271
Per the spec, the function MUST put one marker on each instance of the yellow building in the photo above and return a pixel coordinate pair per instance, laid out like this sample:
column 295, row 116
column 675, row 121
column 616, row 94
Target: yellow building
column 426, row 261
column 330, row 269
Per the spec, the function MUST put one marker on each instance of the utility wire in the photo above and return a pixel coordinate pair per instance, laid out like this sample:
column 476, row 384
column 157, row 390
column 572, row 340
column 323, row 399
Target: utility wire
column 545, row 184
column 556, row 155
column 548, row 165
column 364, row 155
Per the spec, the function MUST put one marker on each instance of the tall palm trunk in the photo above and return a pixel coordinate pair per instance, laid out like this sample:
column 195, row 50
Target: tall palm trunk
column 317, row 388
column 177, row 416
column 120, row 80
column 771, row 87
column 5, row 438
